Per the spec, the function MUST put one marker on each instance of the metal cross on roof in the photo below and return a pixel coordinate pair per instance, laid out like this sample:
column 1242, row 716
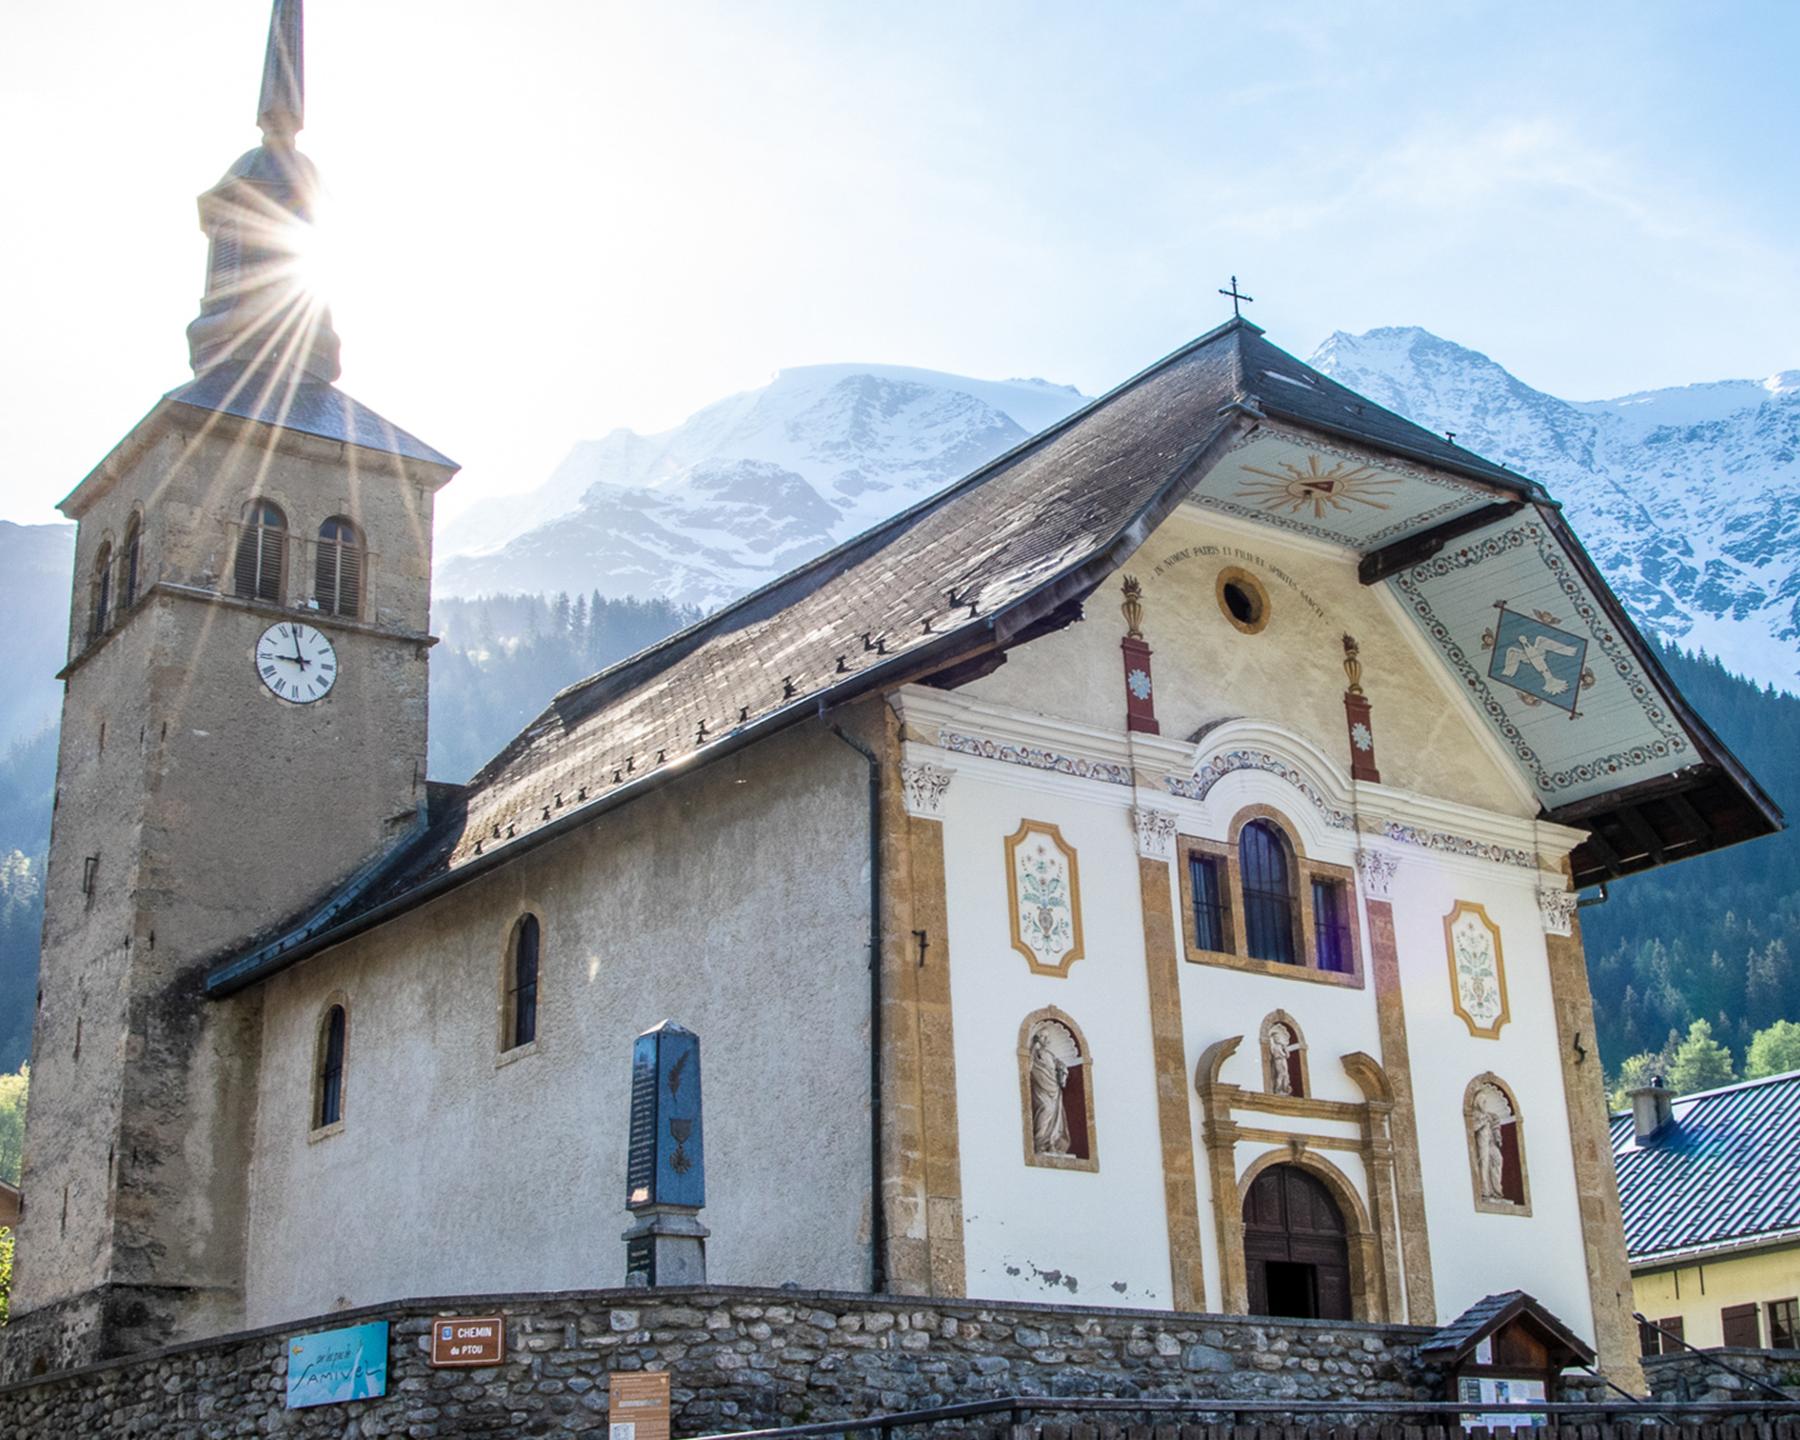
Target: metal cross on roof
column 1237, row 295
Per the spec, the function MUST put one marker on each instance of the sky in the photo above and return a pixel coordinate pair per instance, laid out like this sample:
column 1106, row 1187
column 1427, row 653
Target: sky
column 555, row 217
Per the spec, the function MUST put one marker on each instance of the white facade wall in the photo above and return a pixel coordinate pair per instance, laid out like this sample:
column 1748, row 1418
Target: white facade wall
column 1032, row 1232
column 1028, row 1230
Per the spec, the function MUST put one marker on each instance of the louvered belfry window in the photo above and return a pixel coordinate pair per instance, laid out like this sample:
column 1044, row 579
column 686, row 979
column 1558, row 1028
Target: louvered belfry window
column 262, row 547
column 102, row 612
column 129, row 570
column 338, row 571
column 1268, row 893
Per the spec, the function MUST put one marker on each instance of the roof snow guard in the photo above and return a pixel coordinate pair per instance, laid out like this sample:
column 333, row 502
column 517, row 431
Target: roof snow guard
column 1012, row 550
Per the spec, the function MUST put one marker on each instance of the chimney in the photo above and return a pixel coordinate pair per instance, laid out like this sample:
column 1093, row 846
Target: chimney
column 1652, row 1108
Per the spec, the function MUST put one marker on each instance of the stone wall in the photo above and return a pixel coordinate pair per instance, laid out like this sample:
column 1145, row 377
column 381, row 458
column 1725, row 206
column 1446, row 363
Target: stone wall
column 1709, row 1374
column 740, row 1358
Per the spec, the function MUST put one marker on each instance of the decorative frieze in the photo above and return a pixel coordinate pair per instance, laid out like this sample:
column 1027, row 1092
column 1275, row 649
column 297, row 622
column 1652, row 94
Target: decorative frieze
column 1200, row 784
column 1558, row 909
column 1155, row 832
column 1448, row 844
column 1035, row 758
column 924, row 787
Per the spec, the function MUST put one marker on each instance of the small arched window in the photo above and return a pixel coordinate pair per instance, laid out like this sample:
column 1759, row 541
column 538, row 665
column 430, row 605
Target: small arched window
column 261, row 551
column 333, row 1035
column 338, row 571
column 128, row 563
column 1268, row 879
column 101, row 614
column 522, row 984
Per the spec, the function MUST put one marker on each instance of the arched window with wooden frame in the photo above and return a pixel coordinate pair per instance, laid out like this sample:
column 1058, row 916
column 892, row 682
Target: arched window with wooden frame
column 332, row 1055
column 1256, row 900
column 261, row 553
column 338, row 568
column 519, row 1012
column 1496, row 1135
column 128, row 562
column 100, row 611
column 1271, row 908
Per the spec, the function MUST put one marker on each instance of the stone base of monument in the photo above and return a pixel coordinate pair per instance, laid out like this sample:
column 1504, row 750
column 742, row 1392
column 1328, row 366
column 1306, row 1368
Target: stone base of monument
column 666, row 1245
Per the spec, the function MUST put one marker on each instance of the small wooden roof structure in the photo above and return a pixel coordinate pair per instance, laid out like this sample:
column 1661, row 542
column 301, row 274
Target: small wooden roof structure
column 1526, row 1337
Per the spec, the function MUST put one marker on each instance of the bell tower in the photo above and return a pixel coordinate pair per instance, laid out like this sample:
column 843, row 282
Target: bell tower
column 243, row 728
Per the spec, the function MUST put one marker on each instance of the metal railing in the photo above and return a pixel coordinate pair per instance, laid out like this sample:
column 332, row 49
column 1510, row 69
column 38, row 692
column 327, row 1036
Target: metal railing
column 1017, row 1409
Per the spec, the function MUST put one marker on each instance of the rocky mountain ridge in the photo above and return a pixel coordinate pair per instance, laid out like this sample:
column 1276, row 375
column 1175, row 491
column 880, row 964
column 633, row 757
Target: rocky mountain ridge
column 1684, row 495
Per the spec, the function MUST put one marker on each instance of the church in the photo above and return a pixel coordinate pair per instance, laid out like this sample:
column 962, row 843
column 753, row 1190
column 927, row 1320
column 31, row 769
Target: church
column 1143, row 874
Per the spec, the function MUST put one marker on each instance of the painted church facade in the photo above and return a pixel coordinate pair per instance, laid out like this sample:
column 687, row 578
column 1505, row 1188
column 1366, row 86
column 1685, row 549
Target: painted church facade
column 1143, row 874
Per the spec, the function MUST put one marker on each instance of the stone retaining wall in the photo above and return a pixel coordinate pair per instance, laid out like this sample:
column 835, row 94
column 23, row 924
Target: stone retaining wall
column 740, row 1358
column 1708, row 1374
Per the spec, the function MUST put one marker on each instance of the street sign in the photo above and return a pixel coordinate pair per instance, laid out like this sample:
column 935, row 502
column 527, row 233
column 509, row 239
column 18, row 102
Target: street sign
column 638, row 1405
column 458, row 1340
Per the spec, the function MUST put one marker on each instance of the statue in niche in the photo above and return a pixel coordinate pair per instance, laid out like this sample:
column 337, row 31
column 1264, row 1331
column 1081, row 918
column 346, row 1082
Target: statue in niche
column 1489, row 1113
column 1284, row 1055
column 1049, row 1120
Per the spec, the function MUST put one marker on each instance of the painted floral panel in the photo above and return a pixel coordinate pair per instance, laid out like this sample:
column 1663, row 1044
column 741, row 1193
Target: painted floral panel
column 1046, row 918
column 1475, row 965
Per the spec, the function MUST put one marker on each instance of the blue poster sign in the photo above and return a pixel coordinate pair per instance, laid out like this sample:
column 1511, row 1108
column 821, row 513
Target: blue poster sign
column 337, row 1365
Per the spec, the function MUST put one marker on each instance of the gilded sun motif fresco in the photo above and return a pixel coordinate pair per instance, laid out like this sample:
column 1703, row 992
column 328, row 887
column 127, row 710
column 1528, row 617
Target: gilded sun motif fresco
column 1338, row 488
column 1044, row 887
column 1535, row 656
column 1477, row 969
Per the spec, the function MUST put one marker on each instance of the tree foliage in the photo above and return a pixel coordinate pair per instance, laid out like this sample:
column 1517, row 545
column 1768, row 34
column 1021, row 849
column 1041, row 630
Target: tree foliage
column 1712, row 938
column 1773, row 1051
column 1701, row 1062
column 13, row 1090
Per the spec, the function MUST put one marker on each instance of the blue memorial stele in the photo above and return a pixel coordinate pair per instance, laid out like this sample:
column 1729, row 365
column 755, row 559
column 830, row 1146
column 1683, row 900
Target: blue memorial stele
column 666, row 1161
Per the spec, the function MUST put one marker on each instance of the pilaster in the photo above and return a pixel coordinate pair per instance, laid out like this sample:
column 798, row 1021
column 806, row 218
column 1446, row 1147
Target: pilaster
column 1378, row 870
column 1596, row 1183
column 1181, row 1200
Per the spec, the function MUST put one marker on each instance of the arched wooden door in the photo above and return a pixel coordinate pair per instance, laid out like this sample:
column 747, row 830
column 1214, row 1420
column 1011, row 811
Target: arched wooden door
column 1295, row 1249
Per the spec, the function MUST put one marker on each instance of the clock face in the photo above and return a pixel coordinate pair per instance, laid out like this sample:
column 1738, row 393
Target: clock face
column 296, row 662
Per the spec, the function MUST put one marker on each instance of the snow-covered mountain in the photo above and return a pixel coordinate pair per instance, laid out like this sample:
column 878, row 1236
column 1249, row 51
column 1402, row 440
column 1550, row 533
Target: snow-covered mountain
column 1686, row 498
column 747, row 488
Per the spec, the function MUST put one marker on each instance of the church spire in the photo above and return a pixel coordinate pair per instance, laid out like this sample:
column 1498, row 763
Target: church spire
column 281, row 110
column 257, row 314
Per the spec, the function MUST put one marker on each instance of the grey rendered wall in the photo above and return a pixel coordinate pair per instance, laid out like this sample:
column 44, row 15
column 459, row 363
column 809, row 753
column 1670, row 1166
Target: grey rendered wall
column 734, row 901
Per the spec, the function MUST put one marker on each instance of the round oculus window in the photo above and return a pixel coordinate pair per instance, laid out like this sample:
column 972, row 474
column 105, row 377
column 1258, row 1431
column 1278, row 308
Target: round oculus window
column 1243, row 600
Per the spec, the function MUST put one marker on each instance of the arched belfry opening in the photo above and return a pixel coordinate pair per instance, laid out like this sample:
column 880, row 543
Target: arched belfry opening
column 1296, row 1247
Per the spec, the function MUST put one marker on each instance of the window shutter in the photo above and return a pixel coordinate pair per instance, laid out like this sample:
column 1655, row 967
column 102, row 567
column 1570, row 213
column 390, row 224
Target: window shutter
column 1741, row 1328
column 1674, row 1329
column 349, row 586
column 268, row 575
column 325, row 576
column 244, row 572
